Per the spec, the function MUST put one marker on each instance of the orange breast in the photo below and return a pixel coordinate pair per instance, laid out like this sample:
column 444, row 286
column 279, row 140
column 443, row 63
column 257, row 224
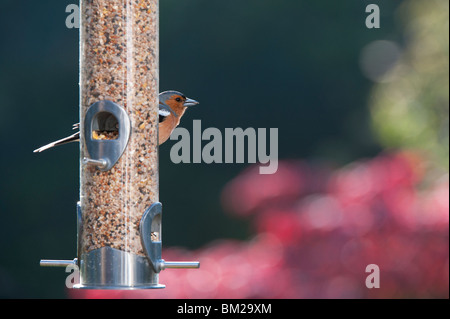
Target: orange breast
column 166, row 128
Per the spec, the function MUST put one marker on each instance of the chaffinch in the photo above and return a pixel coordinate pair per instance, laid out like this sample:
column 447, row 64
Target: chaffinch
column 172, row 106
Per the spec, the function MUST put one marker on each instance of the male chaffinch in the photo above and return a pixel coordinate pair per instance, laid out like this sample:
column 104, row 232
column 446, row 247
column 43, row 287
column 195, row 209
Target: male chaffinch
column 172, row 106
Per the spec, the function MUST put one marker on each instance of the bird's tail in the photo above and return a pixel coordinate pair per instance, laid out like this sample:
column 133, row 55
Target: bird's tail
column 72, row 138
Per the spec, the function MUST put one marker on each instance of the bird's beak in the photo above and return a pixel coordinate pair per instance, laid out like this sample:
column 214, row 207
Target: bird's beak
column 190, row 102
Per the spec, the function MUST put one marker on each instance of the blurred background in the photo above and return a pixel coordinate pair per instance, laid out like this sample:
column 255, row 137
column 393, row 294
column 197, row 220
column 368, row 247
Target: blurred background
column 363, row 146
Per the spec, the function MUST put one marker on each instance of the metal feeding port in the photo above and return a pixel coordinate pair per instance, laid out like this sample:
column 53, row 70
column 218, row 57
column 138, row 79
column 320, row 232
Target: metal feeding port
column 119, row 216
column 107, row 132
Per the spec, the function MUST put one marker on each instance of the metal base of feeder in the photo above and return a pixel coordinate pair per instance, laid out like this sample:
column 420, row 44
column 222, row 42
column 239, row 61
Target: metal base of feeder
column 119, row 287
column 113, row 269
column 109, row 268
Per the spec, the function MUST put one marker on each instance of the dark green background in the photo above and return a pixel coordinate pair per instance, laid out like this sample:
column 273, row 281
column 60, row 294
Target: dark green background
column 292, row 65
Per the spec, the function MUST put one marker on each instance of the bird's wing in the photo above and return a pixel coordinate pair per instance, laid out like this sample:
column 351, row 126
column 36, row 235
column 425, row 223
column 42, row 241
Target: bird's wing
column 164, row 111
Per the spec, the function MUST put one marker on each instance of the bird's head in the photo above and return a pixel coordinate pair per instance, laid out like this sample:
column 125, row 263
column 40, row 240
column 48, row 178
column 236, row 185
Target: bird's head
column 177, row 101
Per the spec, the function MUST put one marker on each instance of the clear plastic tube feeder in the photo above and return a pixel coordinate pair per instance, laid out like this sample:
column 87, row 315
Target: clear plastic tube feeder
column 119, row 214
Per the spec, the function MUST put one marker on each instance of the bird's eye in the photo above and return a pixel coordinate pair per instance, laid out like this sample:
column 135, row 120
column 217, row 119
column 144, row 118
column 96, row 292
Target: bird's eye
column 178, row 99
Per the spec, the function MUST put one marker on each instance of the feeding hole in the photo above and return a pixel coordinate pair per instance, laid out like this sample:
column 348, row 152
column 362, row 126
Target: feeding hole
column 156, row 228
column 155, row 236
column 105, row 126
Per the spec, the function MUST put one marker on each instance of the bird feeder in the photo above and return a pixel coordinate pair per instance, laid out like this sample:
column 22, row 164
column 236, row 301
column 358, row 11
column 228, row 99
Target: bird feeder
column 119, row 214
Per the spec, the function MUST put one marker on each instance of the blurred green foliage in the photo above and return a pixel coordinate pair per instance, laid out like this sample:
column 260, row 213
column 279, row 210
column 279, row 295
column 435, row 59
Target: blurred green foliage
column 411, row 109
